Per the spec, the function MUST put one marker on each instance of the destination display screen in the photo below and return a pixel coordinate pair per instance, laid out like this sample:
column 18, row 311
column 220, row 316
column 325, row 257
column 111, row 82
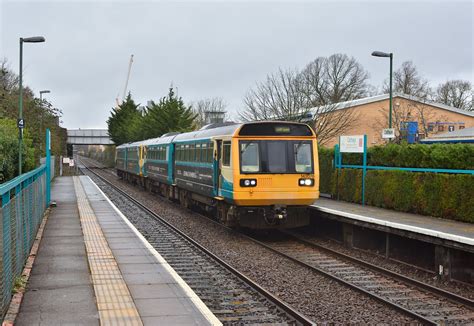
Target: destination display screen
column 275, row 129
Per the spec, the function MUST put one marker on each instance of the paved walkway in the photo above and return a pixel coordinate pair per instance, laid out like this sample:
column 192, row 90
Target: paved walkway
column 60, row 290
column 94, row 267
column 426, row 225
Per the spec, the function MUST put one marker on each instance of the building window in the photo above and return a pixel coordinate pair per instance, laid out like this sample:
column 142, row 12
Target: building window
column 461, row 127
column 440, row 128
column 451, row 128
column 430, row 127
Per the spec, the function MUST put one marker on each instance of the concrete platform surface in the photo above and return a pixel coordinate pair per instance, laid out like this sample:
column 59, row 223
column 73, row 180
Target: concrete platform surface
column 60, row 289
column 94, row 267
column 435, row 227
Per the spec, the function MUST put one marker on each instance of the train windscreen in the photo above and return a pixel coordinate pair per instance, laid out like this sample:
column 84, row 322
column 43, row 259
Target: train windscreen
column 276, row 156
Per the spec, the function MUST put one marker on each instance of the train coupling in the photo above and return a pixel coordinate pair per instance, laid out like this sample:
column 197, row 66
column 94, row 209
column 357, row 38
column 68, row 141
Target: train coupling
column 280, row 212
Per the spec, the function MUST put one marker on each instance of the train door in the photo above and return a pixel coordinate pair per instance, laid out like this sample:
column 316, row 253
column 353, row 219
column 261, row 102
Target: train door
column 217, row 165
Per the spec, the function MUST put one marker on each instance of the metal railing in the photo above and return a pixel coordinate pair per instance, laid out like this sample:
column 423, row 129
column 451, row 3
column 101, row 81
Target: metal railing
column 23, row 202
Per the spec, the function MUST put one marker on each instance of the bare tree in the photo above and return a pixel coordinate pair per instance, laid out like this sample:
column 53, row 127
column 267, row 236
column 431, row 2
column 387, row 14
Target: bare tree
column 457, row 93
column 279, row 97
column 311, row 95
column 407, row 80
column 328, row 81
column 205, row 108
column 8, row 79
column 338, row 78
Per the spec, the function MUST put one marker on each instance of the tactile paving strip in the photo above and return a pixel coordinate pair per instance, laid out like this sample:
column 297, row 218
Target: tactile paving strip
column 114, row 302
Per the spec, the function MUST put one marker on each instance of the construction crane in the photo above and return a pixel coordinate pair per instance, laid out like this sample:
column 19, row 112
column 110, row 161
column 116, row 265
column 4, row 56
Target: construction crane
column 118, row 102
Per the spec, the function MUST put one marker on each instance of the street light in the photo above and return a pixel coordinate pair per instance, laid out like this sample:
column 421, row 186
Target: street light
column 34, row 39
column 41, row 122
column 43, row 92
column 387, row 55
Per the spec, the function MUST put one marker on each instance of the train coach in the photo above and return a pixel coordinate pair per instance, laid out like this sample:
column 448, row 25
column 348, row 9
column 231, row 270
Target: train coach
column 257, row 175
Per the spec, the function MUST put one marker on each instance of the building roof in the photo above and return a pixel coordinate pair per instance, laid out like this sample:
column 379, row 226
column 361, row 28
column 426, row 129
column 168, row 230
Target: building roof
column 459, row 136
column 377, row 98
column 466, row 132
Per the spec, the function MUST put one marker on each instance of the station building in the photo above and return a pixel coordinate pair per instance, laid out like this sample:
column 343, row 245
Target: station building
column 413, row 118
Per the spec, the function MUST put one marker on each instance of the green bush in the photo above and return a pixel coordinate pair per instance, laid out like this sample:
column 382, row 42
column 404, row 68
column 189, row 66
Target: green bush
column 9, row 150
column 436, row 194
column 326, row 170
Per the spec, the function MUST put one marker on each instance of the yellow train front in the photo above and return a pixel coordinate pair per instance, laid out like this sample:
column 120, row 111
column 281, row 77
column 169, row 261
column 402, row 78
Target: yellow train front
column 275, row 174
column 257, row 175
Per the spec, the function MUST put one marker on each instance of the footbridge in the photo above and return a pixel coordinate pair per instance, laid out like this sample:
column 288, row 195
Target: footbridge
column 88, row 137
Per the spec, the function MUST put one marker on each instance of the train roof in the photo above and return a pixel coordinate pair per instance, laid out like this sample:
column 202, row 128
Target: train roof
column 261, row 128
column 227, row 130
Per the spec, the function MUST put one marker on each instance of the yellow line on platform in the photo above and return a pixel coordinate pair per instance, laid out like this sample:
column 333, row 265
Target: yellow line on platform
column 114, row 302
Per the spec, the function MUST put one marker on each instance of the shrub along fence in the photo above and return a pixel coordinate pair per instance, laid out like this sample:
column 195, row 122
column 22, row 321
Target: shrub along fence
column 437, row 194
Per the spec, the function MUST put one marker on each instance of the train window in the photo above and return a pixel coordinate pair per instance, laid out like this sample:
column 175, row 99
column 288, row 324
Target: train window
column 179, row 153
column 210, row 153
column 192, row 154
column 226, row 153
column 187, row 152
column 303, row 157
column 277, row 156
column 198, row 152
column 250, row 157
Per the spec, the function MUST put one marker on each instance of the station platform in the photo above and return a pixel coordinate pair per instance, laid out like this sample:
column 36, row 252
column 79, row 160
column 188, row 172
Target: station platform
column 93, row 267
column 436, row 230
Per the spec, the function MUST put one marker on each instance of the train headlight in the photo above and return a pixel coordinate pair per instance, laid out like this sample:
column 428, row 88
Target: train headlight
column 248, row 182
column 306, row 182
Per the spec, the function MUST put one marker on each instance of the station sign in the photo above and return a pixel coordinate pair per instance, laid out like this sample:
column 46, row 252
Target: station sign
column 351, row 144
column 21, row 123
column 388, row 133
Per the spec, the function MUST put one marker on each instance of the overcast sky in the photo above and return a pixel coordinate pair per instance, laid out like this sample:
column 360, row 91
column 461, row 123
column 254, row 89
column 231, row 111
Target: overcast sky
column 210, row 49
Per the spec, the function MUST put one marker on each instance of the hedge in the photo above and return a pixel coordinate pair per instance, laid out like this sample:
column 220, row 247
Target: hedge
column 448, row 196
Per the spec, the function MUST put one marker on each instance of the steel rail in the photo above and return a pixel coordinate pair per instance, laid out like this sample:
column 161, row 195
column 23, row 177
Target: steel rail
column 455, row 298
column 407, row 280
column 293, row 313
column 391, row 304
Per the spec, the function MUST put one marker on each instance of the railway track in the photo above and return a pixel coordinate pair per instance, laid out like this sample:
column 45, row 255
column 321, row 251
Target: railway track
column 423, row 302
column 426, row 303
column 230, row 295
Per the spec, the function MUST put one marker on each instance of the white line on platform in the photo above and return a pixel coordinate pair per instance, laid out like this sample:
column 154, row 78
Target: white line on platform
column 189, row 292
column 416, row 229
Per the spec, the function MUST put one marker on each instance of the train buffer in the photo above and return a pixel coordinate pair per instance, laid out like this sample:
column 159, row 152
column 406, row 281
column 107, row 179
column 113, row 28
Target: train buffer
column 445, row 247
column 93, row 267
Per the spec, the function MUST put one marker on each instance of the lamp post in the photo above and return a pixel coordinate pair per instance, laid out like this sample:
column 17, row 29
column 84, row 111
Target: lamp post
column 41, row 122
column 34, row 39
column 387, row 55
column 43, row 92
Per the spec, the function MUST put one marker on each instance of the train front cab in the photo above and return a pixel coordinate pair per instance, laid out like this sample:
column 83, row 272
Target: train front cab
column 275, row 175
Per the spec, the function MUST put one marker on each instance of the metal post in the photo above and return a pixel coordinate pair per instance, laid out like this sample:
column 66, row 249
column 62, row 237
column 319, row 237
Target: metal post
column 364, row 169
column 390, row 112
column 60, row 165
column 41, row 121
column 20, row 109
column 48, row 167
column 337, row 162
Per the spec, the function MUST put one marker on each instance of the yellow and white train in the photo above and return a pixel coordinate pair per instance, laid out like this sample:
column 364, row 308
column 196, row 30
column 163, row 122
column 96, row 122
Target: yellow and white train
column 257, row 175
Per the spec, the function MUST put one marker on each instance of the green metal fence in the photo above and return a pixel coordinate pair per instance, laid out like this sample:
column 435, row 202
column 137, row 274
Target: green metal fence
column 21, row 212
column 22, row 206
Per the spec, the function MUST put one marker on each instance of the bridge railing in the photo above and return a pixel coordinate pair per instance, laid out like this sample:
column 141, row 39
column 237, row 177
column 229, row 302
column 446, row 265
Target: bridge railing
column 22, row 206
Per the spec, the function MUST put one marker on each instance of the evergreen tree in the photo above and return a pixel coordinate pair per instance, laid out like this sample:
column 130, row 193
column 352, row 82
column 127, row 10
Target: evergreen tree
column 124, row 122
column 170, row 114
